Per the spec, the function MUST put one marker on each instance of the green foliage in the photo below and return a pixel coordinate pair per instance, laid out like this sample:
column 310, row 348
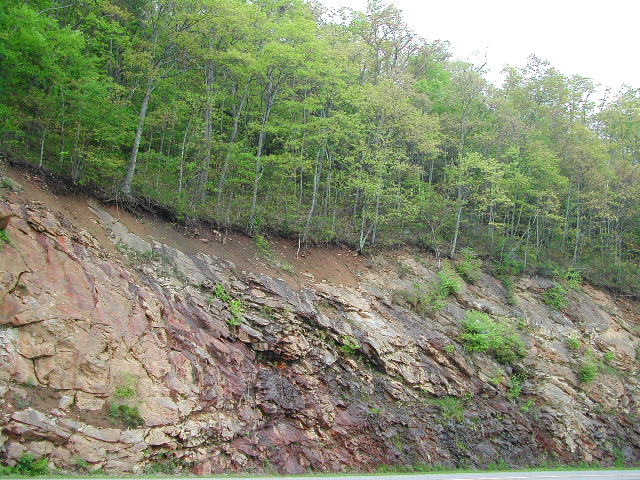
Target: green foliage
column 469, row 267
column 221, row 292
column 526, row 406
column 448, row 284
column 588, row 371
column 515, row 386
column 127, row 389
column 4, row 238
column 609, row 358
column 570, row 277
column 127, row 415
column 450, row 348
column 263, row 245
column 349, row 345
column 236, row 309
column 27, row 466
column 451, row 408
column 507, row 283
column 483, row 334
column 556, row 297
column 574, row 343
column 310, row 147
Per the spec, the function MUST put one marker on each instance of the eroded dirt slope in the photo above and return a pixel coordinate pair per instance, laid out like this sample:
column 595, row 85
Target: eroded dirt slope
column 327, row 368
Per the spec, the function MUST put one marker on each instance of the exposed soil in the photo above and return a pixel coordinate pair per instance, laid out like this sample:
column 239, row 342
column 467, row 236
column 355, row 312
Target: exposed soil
column 329, row 264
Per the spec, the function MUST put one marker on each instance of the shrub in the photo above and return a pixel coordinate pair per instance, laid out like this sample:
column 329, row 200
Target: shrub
column 220, row 292
column 263, row 245
column 588, row 371
column 507, row 283
column 469, row 267
column 609, row 358
column 350, row 344
column 556, row 297
column 27, row 466
column 570, row 277
column 515, row 386
column 129, row 416
column 4, row 238
column 237, row 313
column 526, row 406
column 574, row 343
column 448, row 285
column 483, row 334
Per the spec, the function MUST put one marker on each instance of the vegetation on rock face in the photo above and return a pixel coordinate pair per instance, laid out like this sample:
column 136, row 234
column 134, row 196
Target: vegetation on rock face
column 484, row 334
column 266, row 116
column 27, row 466
column 125, row 414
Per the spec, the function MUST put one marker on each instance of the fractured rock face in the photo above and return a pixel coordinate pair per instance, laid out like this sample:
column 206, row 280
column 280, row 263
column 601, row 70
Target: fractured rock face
column 117, row 361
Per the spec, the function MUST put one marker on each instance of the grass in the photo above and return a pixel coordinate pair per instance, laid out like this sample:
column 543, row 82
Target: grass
column 26, row 466
column 235, row 306
column 451, row 408
column 383, row 470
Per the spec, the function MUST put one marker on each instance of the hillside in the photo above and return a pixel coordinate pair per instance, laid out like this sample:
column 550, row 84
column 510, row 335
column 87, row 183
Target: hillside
column 129, row 345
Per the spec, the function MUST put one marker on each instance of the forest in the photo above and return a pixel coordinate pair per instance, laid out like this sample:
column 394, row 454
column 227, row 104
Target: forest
column 277, row 117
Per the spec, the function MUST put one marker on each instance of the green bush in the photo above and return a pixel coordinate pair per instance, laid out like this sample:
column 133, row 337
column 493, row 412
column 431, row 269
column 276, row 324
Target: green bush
column 448, row 285
column 570, row 277
column 27, row 466
column 574, row 343
column 237, row 313
column 588, row 371
column 469, row 267
column 609, row 358
column 220, row 292
column 4, row 238
column 556, row 297
column 507, row 283
column 483, row 334
column 129, row 416
column 515, row 386
column 263, row 245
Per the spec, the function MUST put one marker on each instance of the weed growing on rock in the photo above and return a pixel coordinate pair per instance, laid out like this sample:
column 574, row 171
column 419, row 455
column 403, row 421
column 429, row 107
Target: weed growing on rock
column 127, row 389
column 448, row 285
column 574, row 343
column 220, row 292
column 237, row 313
column 515, row 386
column 450, row 348
column 556, row 297
column 4, row 238
column 27, row 466
column 588, row 371
column 609, row 358
column 350, row 344
column 526, row 406
column 451, row 408
column 483, row 334
column 469, row 267
column 128, row 416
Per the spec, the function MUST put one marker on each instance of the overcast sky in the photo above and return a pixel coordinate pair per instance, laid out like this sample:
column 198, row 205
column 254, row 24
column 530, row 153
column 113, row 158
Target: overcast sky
column 597, row 39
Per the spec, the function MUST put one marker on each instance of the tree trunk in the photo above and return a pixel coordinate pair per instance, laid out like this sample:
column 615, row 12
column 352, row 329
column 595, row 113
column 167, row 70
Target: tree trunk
column 316, row 181
column 232, row 141
column 128, row 180
column 454, row 242
column 270, row 96
column 203, row 171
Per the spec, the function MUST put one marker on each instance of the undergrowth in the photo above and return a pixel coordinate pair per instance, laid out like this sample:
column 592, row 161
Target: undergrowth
column 484, row 334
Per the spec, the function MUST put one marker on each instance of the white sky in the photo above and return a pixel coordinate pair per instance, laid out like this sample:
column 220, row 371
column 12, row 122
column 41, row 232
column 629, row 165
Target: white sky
column 596, row 39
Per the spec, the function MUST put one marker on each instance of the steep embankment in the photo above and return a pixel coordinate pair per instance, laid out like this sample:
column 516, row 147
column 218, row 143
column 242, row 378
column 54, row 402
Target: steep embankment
column 145, row 356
